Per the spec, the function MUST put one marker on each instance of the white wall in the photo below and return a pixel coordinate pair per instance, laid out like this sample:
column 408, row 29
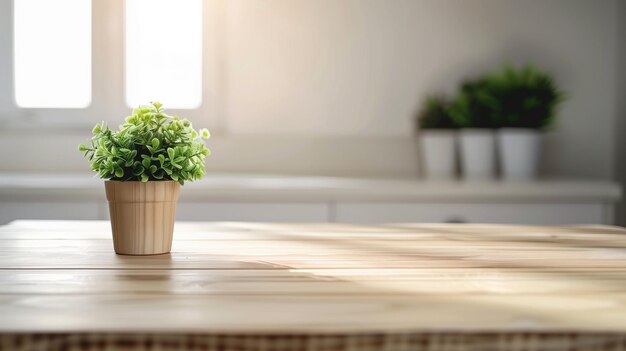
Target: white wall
column 620, row 130
column 318, row 77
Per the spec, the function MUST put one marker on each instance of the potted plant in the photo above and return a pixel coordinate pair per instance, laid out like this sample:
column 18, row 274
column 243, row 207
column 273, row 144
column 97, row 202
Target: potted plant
column 471, row 112
column 526, row 103
column 144, row 163
column 437, row 139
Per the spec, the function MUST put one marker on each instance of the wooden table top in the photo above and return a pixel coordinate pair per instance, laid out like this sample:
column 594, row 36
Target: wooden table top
column 63, row 276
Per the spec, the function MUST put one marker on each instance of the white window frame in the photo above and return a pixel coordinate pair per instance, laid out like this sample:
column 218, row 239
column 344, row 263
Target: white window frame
column 108, row 101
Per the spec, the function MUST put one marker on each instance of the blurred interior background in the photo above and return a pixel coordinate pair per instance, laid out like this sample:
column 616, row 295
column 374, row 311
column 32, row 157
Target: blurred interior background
column 311, row 104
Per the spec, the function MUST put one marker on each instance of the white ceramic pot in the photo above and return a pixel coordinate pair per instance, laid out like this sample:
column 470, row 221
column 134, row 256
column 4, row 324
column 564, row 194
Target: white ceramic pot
column 519, row 151
column 478, row 159
column 438, row 153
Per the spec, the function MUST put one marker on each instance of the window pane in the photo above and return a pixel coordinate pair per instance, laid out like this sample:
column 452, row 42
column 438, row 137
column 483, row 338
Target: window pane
column 164, row 52
column 52, row 53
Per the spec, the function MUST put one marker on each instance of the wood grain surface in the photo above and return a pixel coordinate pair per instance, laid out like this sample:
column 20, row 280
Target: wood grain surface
column 63, row 276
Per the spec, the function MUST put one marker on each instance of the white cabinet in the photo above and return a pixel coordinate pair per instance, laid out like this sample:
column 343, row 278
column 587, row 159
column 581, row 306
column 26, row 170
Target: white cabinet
column 539, row 213
column 263, row 198
column 252, row 212
column 341, row 212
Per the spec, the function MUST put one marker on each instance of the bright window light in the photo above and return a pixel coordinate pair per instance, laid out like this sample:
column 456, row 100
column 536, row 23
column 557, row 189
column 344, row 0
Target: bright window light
column 52, row 53
column 164, row 52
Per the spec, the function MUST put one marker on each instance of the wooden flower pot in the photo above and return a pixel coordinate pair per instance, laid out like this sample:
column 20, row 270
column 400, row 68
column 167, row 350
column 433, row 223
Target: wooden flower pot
column 142, row 215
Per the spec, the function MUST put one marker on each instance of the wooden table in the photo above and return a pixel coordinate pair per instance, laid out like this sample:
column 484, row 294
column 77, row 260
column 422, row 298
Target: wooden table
column 259, row 286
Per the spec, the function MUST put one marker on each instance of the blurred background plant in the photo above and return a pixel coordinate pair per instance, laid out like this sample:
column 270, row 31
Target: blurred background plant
column 525, row 97
column 474, row 104
column 435, row 114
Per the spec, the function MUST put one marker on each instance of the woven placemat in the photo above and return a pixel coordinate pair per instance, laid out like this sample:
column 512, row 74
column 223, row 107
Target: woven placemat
column 358, row 342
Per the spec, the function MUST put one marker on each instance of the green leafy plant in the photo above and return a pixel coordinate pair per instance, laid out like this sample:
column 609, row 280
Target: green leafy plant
column 436, row 114
column 473, row 105
column 524, row 97
column 512, row 98
column 149, row 146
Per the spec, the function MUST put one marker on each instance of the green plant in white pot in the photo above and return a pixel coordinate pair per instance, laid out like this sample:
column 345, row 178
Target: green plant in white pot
column 144, row 163
column 526, row 101
column 471, row 112
column 437, row 139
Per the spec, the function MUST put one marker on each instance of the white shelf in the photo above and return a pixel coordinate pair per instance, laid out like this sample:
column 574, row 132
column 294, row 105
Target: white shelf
column 249, row 187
